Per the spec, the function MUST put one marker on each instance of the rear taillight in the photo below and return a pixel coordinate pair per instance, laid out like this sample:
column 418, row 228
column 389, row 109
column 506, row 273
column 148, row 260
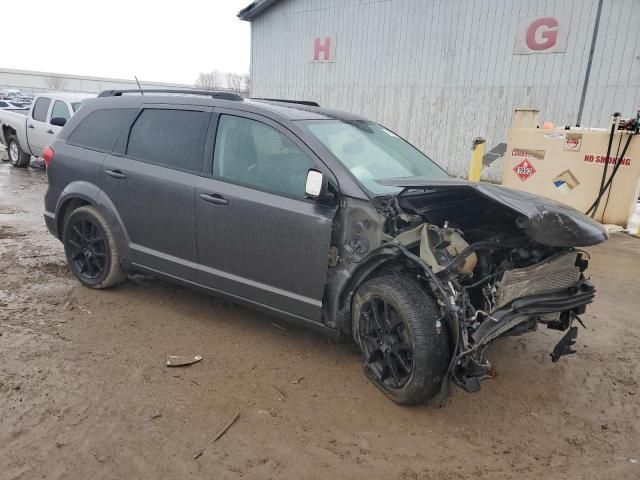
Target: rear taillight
column 47, row 156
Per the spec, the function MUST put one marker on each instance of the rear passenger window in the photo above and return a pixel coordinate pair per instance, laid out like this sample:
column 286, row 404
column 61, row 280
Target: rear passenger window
column 40, row 109
column 174, row 138
column 253, row 153
column 100, row 129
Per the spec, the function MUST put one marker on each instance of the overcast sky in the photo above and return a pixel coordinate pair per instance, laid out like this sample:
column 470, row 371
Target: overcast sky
column 161, row 40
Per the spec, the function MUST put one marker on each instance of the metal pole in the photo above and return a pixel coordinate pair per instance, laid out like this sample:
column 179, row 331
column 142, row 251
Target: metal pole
column 588, row 72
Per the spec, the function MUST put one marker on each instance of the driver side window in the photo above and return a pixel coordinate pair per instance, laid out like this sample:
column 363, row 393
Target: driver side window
column 60, row 110
column 254, row 154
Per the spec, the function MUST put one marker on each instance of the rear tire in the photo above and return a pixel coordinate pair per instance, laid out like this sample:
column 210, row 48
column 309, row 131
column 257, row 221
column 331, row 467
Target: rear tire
column 91, row 250
column 17, row 157
column 399, row 329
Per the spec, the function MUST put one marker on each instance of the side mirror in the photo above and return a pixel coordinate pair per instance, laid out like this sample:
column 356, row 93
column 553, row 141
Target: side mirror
column 58, row 121
column 317, row 187
column 313, row 188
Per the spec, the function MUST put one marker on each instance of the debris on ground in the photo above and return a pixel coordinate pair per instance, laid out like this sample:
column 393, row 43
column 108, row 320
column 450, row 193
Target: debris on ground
column 218, row 435
column 284, row 395
column 179, row 361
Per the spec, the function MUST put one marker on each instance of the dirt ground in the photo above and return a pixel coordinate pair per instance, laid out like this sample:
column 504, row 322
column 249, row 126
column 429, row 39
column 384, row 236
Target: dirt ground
column 85, row 393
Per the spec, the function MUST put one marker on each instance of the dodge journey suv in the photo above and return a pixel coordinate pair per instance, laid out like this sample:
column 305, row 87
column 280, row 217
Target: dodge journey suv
column 322, row 218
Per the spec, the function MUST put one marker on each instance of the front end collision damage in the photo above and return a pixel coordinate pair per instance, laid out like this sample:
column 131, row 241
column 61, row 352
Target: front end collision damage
column 498, row 262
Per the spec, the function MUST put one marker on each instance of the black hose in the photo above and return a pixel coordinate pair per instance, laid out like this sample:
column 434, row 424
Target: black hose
column 619, row 157
column 435, row 280
column 596, row 203
column 606, row 164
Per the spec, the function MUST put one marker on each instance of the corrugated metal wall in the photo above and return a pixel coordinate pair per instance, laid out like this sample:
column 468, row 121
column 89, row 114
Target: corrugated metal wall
column 441, row 72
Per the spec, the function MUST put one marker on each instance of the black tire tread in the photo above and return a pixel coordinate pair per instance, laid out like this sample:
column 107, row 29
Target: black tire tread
column 115, row 274
column 420, row 313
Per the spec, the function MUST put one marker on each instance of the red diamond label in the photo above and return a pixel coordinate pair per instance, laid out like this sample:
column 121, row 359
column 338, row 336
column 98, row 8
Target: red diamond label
column 524, row 170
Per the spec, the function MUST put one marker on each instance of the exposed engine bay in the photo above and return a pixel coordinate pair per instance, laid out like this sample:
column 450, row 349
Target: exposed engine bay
column 497, row 267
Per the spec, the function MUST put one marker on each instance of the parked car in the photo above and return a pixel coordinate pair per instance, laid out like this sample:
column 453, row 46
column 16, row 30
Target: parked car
column 26, row 100
column 11, row 105
column 9, row 94
column 27, row 135
column 319, row 217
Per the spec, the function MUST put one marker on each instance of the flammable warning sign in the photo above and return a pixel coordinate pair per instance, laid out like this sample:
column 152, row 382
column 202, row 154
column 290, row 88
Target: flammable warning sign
column 524, row 170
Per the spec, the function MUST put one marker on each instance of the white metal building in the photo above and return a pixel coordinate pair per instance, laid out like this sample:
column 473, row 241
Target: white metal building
column 28, row 81
column 441, row 72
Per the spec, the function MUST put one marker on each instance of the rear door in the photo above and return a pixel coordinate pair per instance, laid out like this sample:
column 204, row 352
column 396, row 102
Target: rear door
column 259, row 238
column 152, row 185
column 39, row 132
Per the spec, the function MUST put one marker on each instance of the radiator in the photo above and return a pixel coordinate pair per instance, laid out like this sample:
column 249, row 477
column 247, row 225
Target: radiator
column 555, row 273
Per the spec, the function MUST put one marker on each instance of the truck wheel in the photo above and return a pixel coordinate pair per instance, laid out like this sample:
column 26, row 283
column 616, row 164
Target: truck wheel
column 397, row 325
column 92, row 253
column 17, row 157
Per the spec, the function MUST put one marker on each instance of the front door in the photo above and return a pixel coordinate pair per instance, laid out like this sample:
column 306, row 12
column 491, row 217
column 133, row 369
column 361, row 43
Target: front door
column 152, row 185
column 59, row 110
column 259, row 238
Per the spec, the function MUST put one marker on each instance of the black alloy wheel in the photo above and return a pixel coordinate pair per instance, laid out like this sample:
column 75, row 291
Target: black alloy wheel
column 385, row 343
column 87, row 249
column 397, row 324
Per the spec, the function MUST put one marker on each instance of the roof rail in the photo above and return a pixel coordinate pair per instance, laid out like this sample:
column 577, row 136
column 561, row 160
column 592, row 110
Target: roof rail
column 308, row 103
column 207, row 93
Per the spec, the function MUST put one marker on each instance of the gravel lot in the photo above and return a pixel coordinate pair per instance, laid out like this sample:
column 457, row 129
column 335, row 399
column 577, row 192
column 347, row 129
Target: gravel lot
column 85, row 393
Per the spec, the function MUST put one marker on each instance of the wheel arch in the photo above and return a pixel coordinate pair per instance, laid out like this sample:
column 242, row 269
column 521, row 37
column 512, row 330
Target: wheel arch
column 6, row 131
column 78, row 194
column 369, row 268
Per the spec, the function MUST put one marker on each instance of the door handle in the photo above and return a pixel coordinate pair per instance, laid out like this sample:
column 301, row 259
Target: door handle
column 49, row 131
column 115, row 174
column 30, row 126
column 214, row 198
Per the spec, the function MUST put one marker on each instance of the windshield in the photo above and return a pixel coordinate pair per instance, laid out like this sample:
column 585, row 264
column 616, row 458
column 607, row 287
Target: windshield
column 75, row 106
column 371, row 153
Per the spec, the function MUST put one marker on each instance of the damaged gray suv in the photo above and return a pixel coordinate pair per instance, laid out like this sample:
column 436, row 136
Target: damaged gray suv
column 319, row 217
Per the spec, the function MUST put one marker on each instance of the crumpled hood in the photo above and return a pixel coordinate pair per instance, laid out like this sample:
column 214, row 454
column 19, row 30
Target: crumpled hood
column 546, row 221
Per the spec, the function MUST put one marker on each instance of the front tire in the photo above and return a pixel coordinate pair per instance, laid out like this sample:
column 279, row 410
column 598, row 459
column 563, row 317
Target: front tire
column 91, row 250
column 398, row 327
column 17, row 157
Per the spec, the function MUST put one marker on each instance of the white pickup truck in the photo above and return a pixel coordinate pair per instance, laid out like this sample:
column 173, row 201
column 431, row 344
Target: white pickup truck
column 26, row 134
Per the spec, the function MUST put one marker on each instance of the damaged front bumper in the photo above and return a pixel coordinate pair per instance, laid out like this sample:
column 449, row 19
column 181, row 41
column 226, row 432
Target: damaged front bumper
column 573, row 299
column 556, row 309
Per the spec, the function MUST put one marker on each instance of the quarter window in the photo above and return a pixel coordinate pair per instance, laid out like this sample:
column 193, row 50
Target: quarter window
column 40, row 109
column 100, row 129
column 60, row 110
column 170, row 137
column 254, row 154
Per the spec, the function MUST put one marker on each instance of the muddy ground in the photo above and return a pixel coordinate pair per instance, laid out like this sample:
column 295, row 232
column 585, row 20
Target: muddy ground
column 85, row 393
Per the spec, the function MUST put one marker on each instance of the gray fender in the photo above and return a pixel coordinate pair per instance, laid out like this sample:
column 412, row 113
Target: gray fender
column 95, row 196
column 344, row 285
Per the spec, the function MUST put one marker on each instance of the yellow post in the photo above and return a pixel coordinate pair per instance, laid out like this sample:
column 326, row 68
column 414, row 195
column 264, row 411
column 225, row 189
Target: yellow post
column 477, row 152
